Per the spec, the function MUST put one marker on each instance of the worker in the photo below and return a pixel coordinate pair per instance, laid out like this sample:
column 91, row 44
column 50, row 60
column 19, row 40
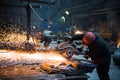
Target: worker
column 44, row 39
column 98, row 52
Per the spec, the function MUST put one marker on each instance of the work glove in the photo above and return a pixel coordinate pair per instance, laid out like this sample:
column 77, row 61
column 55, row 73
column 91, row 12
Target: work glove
column 86, row 56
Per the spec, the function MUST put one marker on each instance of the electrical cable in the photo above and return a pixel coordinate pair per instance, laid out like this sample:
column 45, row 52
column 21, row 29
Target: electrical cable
column 36, row 13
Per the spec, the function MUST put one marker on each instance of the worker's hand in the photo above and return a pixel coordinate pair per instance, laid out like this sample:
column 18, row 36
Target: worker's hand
column 86, row 56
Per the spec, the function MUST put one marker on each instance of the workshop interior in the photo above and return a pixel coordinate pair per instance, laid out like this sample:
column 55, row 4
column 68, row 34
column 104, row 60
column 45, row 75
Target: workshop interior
column 59, row 39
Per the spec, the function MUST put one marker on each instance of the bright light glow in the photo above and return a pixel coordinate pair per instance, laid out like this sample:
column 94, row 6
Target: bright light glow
column 34, row 27
column 63, row 18
column 118, row 43
column 118, row 40
column 49, row 26
column 50, row 22
column 78, row 32
column 67, row 12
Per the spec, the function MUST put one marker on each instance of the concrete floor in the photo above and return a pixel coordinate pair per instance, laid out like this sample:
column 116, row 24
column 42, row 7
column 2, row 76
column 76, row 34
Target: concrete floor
column 114, row 73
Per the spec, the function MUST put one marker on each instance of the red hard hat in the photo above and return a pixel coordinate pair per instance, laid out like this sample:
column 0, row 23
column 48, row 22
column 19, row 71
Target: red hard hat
column 88, row 38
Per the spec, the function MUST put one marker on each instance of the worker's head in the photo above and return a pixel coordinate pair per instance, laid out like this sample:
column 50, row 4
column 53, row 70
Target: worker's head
column 40, row 33
column 88, row 38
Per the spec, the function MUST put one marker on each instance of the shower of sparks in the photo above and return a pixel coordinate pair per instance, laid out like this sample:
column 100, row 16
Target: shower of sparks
column 11, row 56
column 26, row 63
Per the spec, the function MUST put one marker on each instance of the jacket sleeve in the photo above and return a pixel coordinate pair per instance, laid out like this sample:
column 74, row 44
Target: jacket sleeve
column 99, row 50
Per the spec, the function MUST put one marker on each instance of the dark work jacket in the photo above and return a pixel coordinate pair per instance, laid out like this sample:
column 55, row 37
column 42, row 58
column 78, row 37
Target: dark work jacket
column 99, row 52
column 45, row 39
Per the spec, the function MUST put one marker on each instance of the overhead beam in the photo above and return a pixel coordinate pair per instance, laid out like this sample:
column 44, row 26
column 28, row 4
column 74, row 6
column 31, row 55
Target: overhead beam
column 39, row 2
column 16, row 6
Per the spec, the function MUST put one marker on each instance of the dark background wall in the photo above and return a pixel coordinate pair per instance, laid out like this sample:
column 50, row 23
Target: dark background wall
column 101, row 16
